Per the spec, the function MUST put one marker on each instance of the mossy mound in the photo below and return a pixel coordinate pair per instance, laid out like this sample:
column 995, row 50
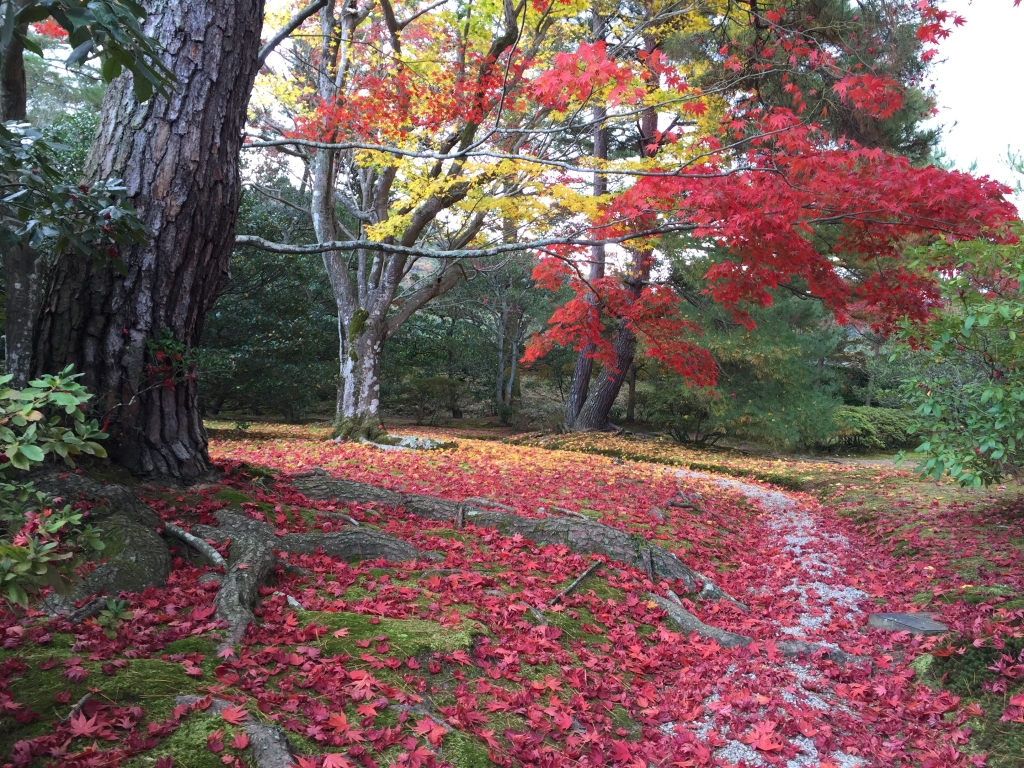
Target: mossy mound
column 407, row 637
column 187, row 744
column 149, row 683
column 232, row 496
column 965, row 675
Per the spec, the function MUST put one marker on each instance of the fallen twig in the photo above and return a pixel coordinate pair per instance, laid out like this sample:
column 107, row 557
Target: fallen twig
column 536, row 614
column 439, row 571
column 572, row 587
column 78, row 706
column 339, row 516
column 567, row 512
column 291, row 601
column 481, row 502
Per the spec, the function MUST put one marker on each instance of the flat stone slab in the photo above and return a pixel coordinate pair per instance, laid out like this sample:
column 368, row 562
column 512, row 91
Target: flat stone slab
column 918, row 623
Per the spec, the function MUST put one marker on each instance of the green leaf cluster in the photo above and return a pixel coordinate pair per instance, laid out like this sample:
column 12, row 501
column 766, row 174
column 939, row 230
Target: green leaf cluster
column 37, row 203
column 37, row 540
column 970, row 399
column 109, row 30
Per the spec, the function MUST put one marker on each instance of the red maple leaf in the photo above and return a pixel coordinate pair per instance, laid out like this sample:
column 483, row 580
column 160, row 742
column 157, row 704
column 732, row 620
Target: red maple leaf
column 215, row 741
column 431, row 730
column 234, row 715
column 83, row 726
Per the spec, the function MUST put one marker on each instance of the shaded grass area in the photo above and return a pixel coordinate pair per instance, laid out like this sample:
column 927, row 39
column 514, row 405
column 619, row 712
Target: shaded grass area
column 785, row 474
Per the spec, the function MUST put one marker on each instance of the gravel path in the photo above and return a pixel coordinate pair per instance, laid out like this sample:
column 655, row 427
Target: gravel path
column 821, row 596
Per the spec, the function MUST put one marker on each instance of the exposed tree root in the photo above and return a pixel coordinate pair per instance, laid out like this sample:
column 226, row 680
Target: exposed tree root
column 580, row 535
column 253, row 546
column 87, row 611
column 251, row 562
column 196, row 543
column 687, row 622
column 269, row 744
column 137, row 558
column 710, row 591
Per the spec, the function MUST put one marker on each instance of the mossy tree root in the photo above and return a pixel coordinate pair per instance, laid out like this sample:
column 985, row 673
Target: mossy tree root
column 269, row 744
column 253, row 556
column 362, row 427
column 136, row 558
column 251, row 563
column 687, row 622
column 581, row 535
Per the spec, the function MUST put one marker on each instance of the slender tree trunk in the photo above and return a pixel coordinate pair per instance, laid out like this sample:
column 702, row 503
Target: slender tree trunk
column 579, row 387
column 178, row 155
column 510, row 385
column 631, row 402
column 21, row 274
column 21, row 263
column 499, row 372
column 594, row 413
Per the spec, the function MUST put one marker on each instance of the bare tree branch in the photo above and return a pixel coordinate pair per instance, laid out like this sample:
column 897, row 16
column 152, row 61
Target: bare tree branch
column 293, row 23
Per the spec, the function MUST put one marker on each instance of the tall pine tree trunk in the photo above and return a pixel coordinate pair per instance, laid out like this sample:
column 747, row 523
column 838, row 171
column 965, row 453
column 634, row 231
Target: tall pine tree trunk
column 131, row 335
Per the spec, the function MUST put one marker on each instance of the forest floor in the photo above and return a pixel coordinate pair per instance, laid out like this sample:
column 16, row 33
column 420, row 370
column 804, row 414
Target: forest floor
column 469, row 657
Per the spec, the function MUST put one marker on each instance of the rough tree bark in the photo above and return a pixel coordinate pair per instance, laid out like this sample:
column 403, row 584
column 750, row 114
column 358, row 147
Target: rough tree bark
column 178, row 155
column 22, row 293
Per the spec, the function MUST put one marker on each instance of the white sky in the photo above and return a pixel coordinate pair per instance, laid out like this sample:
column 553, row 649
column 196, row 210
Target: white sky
column 976, row 77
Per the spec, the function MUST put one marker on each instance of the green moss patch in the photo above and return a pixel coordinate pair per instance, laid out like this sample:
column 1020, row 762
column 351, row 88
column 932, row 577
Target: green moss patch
column 964, row 674
column 149, row 683
column 406, row 637
column 464, row 752
column 232, row 496
column 187, row 745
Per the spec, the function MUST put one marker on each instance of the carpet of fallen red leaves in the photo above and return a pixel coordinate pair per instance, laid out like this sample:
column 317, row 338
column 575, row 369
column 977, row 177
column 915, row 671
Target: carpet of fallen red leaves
column 607, row 681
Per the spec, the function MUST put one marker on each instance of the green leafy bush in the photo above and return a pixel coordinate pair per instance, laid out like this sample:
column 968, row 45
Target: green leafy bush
column 862, row 428
column 688, row 414
column 37, row 540
column 428, row 397
column 970, row 399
